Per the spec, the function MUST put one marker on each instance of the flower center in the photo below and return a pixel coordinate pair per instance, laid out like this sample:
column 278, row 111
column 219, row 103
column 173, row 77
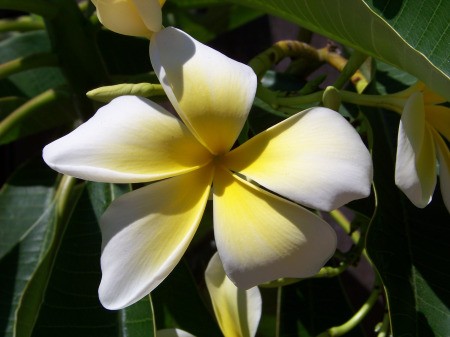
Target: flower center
column 218, row 160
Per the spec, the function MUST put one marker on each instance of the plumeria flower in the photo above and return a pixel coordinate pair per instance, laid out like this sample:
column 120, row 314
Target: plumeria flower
column 423, row 135
column 314, row 158
column 421, row 146
column 237, row 311
column 131, row 17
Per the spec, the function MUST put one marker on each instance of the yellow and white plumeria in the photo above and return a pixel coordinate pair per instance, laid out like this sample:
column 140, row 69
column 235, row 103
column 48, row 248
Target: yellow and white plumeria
column 237, row 311
column 421, row 146
column 314, row 158
column 130, row 17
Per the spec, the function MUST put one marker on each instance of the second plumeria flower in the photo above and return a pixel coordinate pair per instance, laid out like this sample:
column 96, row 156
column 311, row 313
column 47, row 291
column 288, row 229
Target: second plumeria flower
column 314, row 158
column 421, row 146
column 422, row 141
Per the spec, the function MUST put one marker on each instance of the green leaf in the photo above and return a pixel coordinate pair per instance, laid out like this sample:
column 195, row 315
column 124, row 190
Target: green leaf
column 391, row 80
column 408, row 246
column 27, row 216
column 211, row 21
column 34, row 292
column 306, row 309
column 102, row 194
column 43, row 112
column 35, row 81
column 71, row 306
column 138, row 320
column 411, row 35
column 26, row 201
column 178, row 304
column 9, row 104
column 123, row 54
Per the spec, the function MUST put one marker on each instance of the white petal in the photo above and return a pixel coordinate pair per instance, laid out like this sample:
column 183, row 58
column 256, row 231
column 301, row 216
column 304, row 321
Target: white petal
column 314, row 158
column 238, row 311
column 173, row 333
column 129, row 140
column 146, row 232
column 262, row 237
column 415, row 165
column 211, row 92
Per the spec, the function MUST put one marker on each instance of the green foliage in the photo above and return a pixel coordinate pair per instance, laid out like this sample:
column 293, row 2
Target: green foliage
column 382, row 29
column 407, row 245
column 50, row 242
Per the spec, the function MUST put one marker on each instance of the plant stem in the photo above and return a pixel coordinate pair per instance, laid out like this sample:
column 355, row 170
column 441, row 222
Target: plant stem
column 358, row 316
column 299, row 100
column 63, row 195
column 27, row 109
column 389, row 102
column 27, row 62
column 385, row 326
column 20, row 25
column 286, row 48
column 345, row 224
column 349, row 69
column 278, row 313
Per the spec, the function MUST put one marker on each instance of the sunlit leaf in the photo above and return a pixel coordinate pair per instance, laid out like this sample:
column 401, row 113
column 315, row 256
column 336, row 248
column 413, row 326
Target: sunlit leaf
column 411, row 35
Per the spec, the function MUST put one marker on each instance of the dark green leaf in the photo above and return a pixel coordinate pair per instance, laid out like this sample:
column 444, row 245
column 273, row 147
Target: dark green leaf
column 27, row 223
column 26, row 201
column 124, row 54
column 312, row 306
column 71, row 306
column 207, row 23
column 178, row 304
column 35, row 81
column 9, row 104
column 391, row 79
column 48, row 110
column 409, row 246
column 102, row 194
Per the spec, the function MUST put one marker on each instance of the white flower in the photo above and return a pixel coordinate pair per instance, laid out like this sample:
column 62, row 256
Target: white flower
column 420, row 146
column 314, row 158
